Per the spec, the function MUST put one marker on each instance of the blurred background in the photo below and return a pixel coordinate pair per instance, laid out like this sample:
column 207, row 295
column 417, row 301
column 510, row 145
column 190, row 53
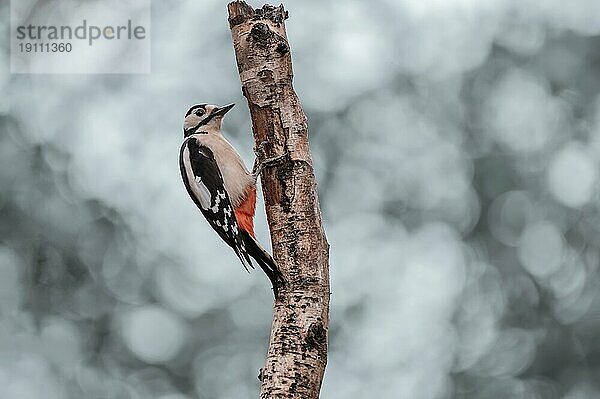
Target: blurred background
column 456, row 145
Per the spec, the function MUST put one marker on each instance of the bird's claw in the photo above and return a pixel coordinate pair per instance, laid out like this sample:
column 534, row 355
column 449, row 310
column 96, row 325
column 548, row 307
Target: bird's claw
column 259, row 149
column 261, row 160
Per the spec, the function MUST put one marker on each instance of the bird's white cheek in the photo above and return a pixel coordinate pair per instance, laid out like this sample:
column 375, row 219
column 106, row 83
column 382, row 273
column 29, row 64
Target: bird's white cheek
column 190, row 121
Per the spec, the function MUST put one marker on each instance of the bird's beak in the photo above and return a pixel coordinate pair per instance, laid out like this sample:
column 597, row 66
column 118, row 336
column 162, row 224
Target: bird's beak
column 220, row 111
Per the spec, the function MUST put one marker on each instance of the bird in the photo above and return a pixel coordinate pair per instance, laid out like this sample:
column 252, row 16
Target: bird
column 221, row 186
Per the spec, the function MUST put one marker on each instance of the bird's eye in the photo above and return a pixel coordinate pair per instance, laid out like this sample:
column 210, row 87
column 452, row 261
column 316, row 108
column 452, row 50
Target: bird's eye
column 200, row 112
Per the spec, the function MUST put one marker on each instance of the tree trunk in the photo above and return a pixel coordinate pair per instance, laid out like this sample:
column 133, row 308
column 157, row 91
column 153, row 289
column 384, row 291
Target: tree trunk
column 298, row 345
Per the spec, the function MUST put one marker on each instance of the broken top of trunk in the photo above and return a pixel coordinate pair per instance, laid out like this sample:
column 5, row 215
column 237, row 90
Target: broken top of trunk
column 240, row 12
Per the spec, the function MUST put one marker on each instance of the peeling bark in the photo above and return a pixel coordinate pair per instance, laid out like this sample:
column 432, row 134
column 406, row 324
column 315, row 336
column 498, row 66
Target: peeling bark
column 297, row 352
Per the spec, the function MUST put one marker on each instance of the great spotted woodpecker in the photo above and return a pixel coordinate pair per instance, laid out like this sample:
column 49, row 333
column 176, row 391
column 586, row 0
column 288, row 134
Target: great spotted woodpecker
column 221, row 187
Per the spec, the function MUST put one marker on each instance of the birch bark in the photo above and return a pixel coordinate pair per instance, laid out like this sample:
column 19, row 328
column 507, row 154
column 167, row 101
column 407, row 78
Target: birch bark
column 297, row 352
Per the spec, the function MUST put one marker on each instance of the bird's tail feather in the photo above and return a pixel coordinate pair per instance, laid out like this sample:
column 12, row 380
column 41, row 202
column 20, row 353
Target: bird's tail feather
column 244, row 258
column 264, row 260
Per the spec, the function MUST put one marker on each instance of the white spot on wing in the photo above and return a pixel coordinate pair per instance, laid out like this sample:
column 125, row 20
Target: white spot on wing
column 215, row 207
column 196, row 184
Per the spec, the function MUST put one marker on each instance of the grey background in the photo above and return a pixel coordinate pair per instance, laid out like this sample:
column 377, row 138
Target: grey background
column 456, row 145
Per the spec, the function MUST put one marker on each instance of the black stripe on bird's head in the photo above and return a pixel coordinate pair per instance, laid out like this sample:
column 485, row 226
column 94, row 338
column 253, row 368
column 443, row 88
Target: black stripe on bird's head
column 205, row 116
column 196, row 107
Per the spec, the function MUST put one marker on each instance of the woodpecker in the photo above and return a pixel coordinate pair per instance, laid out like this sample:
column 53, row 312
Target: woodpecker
column 222, row 188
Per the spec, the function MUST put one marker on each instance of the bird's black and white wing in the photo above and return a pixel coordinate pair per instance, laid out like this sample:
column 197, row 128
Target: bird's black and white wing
column 204, row 183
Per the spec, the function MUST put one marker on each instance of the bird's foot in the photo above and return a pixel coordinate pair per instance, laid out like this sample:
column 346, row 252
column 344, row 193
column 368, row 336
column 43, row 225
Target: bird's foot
column 261, row 159
column 259, row 149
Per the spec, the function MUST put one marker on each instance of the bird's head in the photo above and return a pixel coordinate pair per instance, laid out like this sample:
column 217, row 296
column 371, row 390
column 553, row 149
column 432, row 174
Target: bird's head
column 204, row 118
